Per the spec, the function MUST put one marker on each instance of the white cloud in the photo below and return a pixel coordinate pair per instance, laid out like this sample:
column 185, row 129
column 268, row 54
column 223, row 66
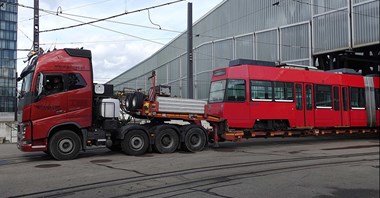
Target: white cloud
column 109, row 58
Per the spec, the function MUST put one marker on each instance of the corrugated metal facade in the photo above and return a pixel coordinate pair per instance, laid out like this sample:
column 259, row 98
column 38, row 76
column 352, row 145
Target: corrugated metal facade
column 290, row 32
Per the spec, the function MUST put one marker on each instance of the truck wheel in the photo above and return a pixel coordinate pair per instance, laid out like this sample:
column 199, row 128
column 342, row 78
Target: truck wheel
column 195, row 139
column 137, row 101
column 166, row 140
column 135, row 142
column 64, row 145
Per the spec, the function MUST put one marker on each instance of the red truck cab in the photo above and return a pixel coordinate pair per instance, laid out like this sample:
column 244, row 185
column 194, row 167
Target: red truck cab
column 56, row 94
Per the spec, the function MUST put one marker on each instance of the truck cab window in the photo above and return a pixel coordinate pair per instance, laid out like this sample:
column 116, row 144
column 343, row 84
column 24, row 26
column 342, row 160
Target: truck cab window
column 75, row 81
column 53, row 84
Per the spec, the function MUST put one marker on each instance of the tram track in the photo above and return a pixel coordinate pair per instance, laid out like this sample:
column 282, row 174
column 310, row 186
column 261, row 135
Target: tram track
column 38, row 157
column 334, row 160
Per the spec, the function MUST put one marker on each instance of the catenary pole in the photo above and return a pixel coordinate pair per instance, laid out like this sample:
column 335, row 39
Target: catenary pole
column 190, row 83
column 36, row 29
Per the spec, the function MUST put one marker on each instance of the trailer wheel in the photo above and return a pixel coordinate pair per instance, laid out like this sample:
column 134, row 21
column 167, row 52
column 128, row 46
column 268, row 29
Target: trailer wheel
column 195, row 139
column 166, row 139
column 64, row 145
column 137, row 101
column 135, row 142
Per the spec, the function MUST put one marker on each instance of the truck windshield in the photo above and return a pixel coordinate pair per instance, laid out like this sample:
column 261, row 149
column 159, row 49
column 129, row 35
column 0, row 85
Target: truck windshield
column 217, row 91
column 26, row 76
column 26, row 83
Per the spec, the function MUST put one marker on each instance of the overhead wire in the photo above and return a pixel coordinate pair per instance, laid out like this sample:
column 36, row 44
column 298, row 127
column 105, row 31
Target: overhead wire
column 130, row 35
column 25, row 34
column 111, row 17
column 119, row 22
column 74, row 8
column 105, row 41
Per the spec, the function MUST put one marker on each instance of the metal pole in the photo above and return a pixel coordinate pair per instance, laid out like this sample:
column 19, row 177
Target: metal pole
column 190, row 83
column 36, row 29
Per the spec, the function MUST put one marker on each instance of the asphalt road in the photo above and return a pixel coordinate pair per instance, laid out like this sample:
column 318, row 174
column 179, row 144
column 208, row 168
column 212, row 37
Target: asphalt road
column 320, row 167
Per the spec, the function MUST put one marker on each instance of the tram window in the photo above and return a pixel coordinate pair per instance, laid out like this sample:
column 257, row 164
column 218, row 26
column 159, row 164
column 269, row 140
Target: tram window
column 236, row 90
column 217, row 91
column 345, row 102
column 357, row 97
column 261, row 90
column 283, row 91
column 336, row 99
column 298, row 97
column 323, row 96
column 377, row 98
column 309, row 100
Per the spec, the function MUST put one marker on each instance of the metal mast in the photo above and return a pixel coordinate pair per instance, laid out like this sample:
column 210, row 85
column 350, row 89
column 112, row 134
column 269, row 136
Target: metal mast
column 36, row 29
column 190, row 83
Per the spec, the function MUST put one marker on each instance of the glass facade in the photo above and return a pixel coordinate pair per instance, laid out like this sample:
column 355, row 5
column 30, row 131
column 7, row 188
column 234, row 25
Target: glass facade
column 8, row 56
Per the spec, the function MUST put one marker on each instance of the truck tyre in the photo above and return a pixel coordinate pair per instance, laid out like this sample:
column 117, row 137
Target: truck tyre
column 128, row 101
column 64, row 145
column 137, row 101
column 136, row 142
column 194, row 140
column 166, row 139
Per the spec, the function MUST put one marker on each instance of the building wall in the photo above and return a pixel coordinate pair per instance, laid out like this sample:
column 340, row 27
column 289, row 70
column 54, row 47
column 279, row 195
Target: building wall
column 290, row 32
column 8, row 49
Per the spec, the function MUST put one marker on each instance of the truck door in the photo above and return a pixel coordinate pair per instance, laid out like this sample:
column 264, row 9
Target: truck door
column 344, row 108
column 50, row 104
column 309, row 107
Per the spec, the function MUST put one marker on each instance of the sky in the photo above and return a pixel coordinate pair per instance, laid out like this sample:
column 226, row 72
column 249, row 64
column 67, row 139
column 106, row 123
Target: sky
column 117, row 44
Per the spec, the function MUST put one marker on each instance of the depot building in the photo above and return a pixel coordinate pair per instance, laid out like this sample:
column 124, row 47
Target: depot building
column 321, row 33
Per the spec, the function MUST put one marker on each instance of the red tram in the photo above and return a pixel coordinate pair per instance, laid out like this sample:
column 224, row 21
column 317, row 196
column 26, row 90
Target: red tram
column 259, row 96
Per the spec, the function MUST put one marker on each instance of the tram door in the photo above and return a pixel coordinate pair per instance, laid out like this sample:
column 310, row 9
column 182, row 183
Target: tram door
column 337, row 107
column 309, row 106
column 344, row 110
column 304, row 105
column 300, row 105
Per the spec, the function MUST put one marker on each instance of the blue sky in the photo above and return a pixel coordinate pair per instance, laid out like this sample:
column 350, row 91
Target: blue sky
column 113, row 51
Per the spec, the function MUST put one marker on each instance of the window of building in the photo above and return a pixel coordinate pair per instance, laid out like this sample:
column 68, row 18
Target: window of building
column 283, row 91
column 323, row 96
column 261, row 90
column 299, row 97
column 235, row 90
column 357, row 98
